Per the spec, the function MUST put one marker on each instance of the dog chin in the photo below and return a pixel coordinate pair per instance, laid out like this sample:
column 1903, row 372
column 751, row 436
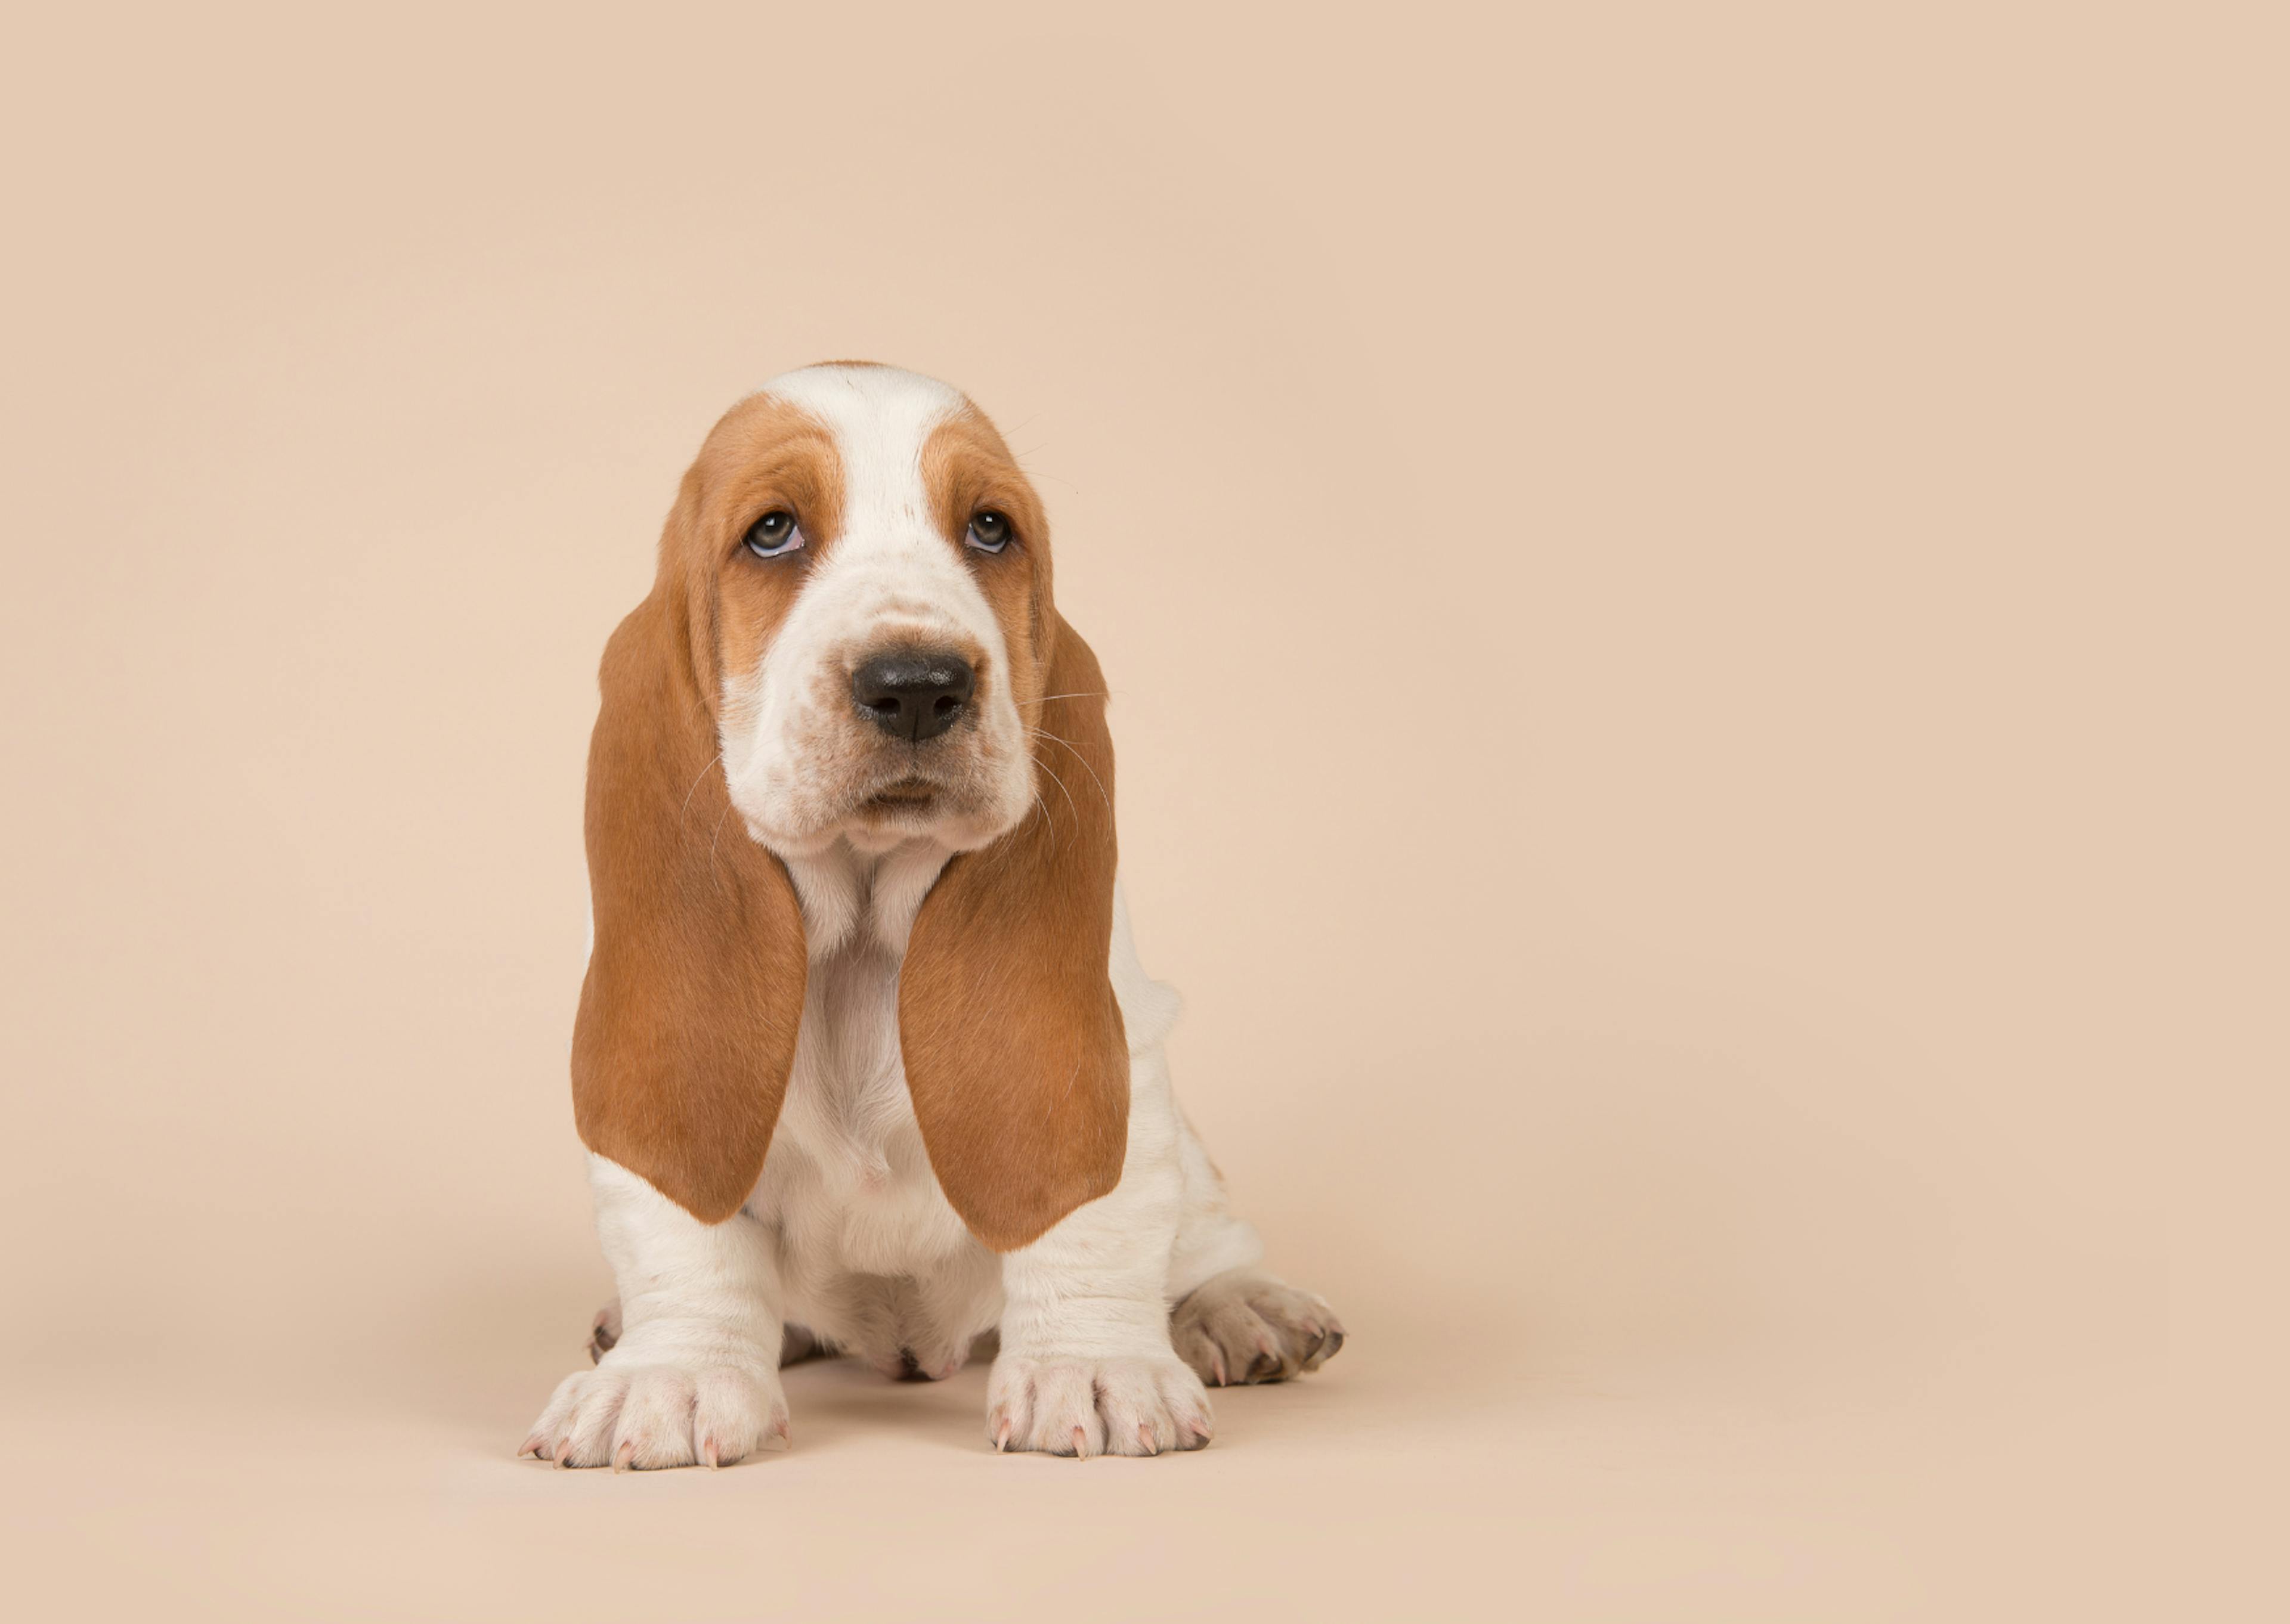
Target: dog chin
column 883, row 817
column 901, row 814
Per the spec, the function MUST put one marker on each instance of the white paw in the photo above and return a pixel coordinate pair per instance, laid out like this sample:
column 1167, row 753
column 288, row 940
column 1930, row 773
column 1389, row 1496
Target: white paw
column 1083, row 1406
column 1247, row 1327
column 642, row 1416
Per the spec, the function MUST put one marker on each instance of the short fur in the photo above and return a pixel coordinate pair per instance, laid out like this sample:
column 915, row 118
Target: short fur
column 876, row 1069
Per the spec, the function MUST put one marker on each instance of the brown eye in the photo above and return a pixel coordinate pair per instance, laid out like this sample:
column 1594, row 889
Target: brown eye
column 774, row 535
column 989, row 532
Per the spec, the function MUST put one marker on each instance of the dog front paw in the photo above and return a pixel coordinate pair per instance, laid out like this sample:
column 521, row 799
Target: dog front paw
column 1062, row 1405
column 646, row 1416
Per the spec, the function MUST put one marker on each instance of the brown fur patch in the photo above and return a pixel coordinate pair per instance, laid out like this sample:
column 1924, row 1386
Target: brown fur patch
column 687, row 1024
column 762, row 455
column 966, row 467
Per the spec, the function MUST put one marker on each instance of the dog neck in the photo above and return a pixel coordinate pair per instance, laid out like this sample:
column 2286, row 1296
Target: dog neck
column 853, row 899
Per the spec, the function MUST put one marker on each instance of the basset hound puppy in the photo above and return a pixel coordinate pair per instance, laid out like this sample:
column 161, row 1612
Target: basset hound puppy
column 865, row 1061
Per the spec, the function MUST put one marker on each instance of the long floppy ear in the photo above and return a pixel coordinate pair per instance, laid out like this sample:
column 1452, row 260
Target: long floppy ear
column 688, row 1017
column 1012, row 1042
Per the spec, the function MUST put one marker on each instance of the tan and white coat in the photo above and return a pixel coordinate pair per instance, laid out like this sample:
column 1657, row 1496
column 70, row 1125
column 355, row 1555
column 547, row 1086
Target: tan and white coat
column 865, row 1061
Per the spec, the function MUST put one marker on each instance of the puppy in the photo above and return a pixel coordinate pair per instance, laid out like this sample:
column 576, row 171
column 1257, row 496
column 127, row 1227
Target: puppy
column 865, row 1061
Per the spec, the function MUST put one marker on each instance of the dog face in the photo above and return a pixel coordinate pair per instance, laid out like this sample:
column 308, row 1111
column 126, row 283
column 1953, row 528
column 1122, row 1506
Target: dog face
column 878, row 566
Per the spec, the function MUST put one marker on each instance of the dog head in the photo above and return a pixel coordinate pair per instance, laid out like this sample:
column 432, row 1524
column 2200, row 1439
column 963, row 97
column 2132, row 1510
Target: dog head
column 851, row 638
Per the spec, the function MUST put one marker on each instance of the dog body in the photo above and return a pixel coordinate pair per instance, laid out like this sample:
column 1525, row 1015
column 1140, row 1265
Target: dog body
column 873, row 1259
column 879, row 1070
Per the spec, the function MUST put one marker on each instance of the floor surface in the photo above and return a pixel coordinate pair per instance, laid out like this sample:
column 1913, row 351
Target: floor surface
column 1409, row 1479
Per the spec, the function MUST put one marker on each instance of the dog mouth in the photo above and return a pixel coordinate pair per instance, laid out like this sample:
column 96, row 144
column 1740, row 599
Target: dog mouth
column 902, row 797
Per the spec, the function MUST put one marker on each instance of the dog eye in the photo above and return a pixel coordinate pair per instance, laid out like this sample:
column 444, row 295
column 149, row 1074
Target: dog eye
column 774, row 535
column 989, row 532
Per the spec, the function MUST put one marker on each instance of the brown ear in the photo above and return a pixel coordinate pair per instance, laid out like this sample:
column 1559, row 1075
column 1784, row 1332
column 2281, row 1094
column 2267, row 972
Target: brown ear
column 1012, row 1042
column 688, row 1017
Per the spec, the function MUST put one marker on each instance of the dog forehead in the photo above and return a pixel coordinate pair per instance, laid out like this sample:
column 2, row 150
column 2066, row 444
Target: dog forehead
column 881, row 419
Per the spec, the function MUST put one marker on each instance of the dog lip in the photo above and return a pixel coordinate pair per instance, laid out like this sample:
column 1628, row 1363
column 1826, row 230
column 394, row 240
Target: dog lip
column 904, row 792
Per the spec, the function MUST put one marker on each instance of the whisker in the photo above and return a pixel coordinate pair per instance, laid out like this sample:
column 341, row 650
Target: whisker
column 1024, row 460
column 1045, row 698
column 694, row 789
column 1077, row 756
column 712, row 839
column 1062, row 790
column 1046, row 824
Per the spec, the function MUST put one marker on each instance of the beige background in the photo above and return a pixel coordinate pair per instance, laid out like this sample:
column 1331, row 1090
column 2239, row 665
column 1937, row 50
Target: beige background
column 1698, row 672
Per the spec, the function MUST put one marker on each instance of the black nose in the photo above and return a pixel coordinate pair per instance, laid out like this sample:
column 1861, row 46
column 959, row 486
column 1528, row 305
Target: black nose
column 913, row 693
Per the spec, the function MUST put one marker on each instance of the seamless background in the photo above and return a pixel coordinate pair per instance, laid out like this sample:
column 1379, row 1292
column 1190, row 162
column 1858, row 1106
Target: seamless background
column 1694, row 597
